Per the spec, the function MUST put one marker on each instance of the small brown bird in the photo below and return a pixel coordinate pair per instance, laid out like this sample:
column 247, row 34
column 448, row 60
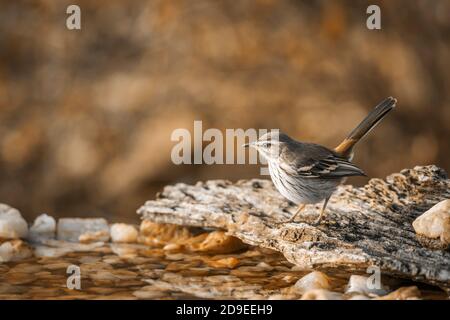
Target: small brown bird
column 307, row 173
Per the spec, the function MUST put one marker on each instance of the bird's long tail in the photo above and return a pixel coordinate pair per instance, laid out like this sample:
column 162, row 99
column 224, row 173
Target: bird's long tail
column 372, row 119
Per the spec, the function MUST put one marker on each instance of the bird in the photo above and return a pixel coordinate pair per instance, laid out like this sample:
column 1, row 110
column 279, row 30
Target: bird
column 308, row 173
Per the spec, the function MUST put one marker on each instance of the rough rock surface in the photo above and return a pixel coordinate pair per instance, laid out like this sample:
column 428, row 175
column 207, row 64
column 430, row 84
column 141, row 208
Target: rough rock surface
column 371, row 225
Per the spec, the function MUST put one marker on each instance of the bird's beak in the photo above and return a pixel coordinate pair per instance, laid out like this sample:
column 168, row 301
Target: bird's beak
column 246, row 145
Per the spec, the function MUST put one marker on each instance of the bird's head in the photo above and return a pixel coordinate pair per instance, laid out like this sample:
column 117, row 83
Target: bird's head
column 270, row 145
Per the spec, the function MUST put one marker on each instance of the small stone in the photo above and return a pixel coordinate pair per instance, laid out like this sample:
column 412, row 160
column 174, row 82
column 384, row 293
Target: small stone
column 172, row 247
column 14, row 250
column 125, row 250
column 321, row 294
column 121, row 232
column 57, row 248
column 230, row 263
column 359, row 297
column 90, row 229
column 404, row 293
column 44, row 251
column 152, row 233
column 313, row 280
column 88, row 237
column 43, row 228
column 218, row 242
column 359, row 284
column 435, row 223
column 12, row 225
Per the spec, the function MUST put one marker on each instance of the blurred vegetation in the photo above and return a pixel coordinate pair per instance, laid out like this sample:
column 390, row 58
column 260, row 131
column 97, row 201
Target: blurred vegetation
column 86, row 116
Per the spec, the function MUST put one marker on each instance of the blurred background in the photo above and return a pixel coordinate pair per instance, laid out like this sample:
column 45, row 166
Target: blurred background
column 86, row 116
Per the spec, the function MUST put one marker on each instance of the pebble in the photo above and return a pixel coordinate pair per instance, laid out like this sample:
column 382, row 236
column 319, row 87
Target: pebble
column 218, row 242
column 311, row 281
column 321, row 294
column 88, row 237
column 404, row 293
column 44, row 251
column 358, row 284
column 435, row 222
column 14, row 250
column 152, row 233
column 92, row 229
column 12, row 225
column 359, row 297
column 43, row 228
column 230, row 263
column 121, row 232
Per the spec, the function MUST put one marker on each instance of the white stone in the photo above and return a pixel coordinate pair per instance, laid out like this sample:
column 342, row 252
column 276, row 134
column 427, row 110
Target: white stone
column 435, row 222
column 57, row 248
column 43, row 228
column 359, row 284
column 321, row 294
column 86, row 230
column 313, row 280
column 121, row 232
column 12, row 225
column 359, row 297
column 14, row 250
column 44, row 251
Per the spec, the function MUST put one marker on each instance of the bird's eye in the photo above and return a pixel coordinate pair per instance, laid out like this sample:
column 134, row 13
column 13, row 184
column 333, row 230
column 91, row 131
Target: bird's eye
column 267, row 145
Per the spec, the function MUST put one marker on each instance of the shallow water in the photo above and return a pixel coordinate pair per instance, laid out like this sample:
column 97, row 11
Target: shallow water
column 135, row 271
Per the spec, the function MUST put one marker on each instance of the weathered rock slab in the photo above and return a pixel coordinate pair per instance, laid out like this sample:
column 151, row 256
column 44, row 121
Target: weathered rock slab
column 366, row 226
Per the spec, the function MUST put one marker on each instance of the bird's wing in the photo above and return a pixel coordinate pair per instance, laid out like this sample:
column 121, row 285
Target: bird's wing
column 329, row 167
column 315, row 161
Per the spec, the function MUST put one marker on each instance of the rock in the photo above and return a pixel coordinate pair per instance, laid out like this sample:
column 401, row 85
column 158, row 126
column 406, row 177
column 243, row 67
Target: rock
column 359, row 297
column 313, row 280
column 57, row 248
column 404, row 293
column 230, row 263
column 321, row 294
column 121, row 232
column 125, row 250
column 12, row 225
column 87, row 237
column 160, row 234
column 51, row 252
column 435, row 223
column 217, row 242
column 173, row 247
column 14, row 250
column 86, row 230
column 359, row 284
column 43, row 228
column 252, row 211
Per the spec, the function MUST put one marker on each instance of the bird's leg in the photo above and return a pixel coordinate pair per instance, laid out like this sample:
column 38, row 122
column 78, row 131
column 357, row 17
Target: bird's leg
column 291, row 219
column 322, row 211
